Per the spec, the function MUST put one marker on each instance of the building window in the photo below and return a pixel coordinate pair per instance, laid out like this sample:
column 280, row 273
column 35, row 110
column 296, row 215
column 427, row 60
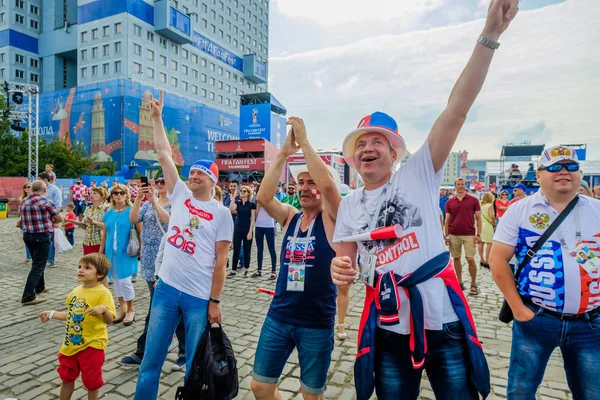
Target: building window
column 195, row 58
column 185, row 53
column 34, row 63
column 137, row 49
column 1, row 72
column 234, row 104
column 175, row 48
column 228, row 88
column 184, row 85
column 150, row 73
column 105, row 30
column 203, row 92
column 84, row 72
column 203, row 62
column 117, row 47
column 194, row 74
column 106, row 50
column 194, row 89
column 184, row 69
column 203, row 77
column 19, row 19
column 117, row 66
column 150, row 55
column 19, row 59
column 34, row 78
column 163, row 43
column 94, row 34
column 174, row 65
column 227, row 102
column 35, row 10
column 212, row 67
column 137, row 30
column 150, row 36
column 163, row 77
column 84, row 54
column 20, row 4
column 220, row 99
column 211, row 81
column 2, row 15
column 173, row 81
column 137, row 68
column 220, row 85
column 84, row 36
column 94, row 52
column 33, row 24
column 106, row 68
column 94, row 70
column 117, row 28
column 20, row 74
column 163, row 60
column 211, row 96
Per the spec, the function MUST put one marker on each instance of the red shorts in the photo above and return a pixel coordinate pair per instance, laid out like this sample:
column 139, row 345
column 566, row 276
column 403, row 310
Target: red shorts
column 88, row 362
column 90, row 249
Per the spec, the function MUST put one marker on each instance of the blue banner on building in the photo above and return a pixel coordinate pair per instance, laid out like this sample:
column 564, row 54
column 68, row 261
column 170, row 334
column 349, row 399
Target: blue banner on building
column 218, row 52
column 111, row 120
column 255, row 121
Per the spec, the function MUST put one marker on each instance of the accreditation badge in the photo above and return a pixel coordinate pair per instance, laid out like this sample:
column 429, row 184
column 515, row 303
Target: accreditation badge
column 584, row 257
column 296, row 277
column 367, row 270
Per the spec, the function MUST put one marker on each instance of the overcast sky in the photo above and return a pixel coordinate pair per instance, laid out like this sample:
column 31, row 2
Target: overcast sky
column 334, row 61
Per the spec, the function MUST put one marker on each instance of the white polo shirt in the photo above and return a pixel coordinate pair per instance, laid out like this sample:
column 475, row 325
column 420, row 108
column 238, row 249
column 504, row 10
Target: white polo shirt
column 554, row 279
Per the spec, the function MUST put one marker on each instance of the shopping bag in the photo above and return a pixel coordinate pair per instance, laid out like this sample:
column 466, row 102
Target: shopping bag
column 61, row 243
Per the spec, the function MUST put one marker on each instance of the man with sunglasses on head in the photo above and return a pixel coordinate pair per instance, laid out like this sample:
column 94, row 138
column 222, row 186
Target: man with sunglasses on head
column 556, row 299
column 192, row 273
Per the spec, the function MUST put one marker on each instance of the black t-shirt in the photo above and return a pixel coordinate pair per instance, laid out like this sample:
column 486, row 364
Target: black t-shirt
column 244, row 213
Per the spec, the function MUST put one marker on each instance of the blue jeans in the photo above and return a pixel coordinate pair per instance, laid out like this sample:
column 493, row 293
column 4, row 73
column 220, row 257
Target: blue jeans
column 70, row 234
column 168, row 306
column 534, row 341
column 269, row 234
column 278, row 339
column 52, row 253
column 447, row 365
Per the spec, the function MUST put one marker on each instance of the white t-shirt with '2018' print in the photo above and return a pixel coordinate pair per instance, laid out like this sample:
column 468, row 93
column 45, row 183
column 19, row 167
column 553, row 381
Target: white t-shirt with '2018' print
column 412, row 201
column 195, row 227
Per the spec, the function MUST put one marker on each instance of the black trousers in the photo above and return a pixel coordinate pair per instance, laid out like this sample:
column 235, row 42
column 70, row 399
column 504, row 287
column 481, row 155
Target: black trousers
column 239, row 238
column 38, row 245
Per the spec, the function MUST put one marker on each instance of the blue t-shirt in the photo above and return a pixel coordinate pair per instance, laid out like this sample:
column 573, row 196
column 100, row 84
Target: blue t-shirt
column 315, row 306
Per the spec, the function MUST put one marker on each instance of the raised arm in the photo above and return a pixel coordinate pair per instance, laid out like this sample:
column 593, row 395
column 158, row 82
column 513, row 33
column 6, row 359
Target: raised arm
column 161, row 144
column 465, row 91
column 317, row 168
column 266, row 195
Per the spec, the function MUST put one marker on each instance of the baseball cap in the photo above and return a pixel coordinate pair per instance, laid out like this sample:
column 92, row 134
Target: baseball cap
column 207, row 167
column 380, row 123
column 555, row 154
column 521, row 186
column 297, row 169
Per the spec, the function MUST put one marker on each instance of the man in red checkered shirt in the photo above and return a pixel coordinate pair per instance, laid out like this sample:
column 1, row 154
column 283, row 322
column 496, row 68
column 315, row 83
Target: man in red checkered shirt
column 38, row 216
column 79, row 195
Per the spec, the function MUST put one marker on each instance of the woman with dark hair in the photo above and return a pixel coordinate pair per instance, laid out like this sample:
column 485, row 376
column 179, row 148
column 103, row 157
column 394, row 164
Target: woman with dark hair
column 115, row 240
column 26, row 192
column 243, row 228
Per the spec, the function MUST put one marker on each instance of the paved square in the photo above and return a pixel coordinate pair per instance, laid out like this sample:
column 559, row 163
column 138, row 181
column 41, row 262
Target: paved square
column 28, row 348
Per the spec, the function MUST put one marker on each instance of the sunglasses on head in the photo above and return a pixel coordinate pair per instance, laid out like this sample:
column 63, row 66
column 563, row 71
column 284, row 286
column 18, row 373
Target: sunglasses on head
column 570, row 167
column 119, row 193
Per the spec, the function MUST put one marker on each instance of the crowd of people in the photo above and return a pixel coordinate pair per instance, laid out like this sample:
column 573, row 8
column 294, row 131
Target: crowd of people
column 416, row 316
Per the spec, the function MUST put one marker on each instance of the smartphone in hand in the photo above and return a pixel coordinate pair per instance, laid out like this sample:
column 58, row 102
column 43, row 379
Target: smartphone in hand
column 144, row 180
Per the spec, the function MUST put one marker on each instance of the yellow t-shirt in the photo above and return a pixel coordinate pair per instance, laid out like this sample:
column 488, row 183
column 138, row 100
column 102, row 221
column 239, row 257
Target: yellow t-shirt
column 84, row 330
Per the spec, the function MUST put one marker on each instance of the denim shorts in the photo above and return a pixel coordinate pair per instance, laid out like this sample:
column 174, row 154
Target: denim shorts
column 276, row 343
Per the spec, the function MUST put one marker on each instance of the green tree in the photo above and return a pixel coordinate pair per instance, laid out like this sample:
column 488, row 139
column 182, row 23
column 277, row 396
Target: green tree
column 69, row 162
column 106, row 168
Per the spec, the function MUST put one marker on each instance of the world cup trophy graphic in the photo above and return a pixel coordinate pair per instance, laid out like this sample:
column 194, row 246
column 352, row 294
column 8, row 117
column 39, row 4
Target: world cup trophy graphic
column 254, row 115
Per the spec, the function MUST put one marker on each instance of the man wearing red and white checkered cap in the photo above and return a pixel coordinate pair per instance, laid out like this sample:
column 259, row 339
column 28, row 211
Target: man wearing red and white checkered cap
column 431, row 328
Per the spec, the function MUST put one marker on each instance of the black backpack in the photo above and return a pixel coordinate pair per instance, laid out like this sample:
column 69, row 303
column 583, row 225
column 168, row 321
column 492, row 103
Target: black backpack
column 214, row 374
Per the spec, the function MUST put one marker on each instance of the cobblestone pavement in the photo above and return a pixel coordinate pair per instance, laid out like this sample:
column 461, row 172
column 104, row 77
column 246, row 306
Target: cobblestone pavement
column 28, row 348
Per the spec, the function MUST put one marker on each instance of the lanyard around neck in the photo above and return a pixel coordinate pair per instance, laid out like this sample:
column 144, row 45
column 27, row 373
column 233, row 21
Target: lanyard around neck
column 295, row 237
column 372, row 216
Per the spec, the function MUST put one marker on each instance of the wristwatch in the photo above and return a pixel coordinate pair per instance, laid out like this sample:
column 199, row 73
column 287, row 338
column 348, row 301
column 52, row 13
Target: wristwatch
column 216, row 301
column 488, row 42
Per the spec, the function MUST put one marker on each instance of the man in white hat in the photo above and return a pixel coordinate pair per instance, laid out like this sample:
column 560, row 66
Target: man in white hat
column 556, row 299
column 302, row 312
column 397, row 330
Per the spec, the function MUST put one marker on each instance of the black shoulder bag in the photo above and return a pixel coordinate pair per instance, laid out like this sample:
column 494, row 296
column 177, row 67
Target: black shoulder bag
column 506, row 314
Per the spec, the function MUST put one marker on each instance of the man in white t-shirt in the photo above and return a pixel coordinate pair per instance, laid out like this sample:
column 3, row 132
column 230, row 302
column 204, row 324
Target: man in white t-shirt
column 192, row 274
column 556, row 299
column 398, row 330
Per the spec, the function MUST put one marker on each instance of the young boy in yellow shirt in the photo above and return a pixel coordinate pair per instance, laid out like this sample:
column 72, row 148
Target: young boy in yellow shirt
column 90, row 307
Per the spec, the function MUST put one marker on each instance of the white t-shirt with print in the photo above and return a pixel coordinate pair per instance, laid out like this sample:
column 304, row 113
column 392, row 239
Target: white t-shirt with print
column 412, row 201
column 553, row 279
column 195, row 227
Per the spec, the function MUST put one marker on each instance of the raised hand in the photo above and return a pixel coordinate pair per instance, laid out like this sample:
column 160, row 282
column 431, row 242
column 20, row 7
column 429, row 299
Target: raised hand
column 289, row 146
column 156, row 106
column 500, row 14
column 298, row 129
